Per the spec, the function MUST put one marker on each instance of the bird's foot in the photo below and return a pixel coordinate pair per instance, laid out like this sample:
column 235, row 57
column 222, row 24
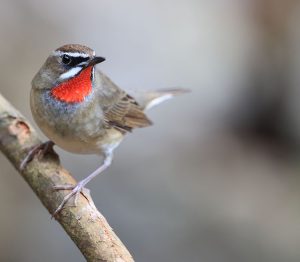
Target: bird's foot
column 76, row 190
column 41, row 149
column 79, row 187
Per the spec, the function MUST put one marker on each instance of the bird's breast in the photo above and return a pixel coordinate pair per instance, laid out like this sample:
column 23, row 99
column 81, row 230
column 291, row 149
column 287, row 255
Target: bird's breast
column 75, row 127
column 76, row 89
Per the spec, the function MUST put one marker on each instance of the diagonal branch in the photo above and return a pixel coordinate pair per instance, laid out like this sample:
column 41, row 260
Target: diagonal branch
column 84, row 223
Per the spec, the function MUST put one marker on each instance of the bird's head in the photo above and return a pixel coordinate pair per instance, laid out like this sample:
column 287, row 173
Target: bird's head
column 68, row 69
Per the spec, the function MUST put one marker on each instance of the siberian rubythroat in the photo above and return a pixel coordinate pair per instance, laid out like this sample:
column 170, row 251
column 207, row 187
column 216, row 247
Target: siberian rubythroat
column 82, row 111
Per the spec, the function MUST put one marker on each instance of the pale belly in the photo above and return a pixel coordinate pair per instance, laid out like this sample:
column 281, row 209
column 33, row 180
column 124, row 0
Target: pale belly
column 73, row 144
column 73, row 127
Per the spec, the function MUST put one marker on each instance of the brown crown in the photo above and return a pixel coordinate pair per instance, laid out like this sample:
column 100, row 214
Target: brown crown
column 76, row 48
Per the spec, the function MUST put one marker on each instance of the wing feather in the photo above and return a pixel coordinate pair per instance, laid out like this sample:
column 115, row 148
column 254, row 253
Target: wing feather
column 125, row 114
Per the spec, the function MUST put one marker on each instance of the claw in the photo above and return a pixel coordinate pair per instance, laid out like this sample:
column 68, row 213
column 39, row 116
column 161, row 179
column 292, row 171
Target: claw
column 76, row 190
column 76, row 197
column 42, row 148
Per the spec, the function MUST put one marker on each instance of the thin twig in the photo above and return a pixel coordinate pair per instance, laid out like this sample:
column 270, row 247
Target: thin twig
column 83, row 223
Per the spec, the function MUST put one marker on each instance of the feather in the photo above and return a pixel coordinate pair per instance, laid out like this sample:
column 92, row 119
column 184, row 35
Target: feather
column 150, row 99
column 125, row 114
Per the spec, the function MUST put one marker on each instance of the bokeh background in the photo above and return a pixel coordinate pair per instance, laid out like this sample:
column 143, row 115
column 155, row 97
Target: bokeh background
column 217, row 178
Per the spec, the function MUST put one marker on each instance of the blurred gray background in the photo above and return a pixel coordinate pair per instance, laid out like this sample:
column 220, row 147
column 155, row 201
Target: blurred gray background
column 217, row 178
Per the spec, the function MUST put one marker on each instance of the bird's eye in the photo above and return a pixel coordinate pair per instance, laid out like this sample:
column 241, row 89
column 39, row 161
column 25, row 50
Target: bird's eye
column 66, row 59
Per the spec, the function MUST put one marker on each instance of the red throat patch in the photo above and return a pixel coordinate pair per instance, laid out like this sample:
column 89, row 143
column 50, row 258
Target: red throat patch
column 75, row 89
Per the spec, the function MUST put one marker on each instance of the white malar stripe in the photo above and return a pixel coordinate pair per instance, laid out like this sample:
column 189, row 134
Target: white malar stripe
column 72, row 54
column 72, row 72
column 93, row 73
column 158, row 100
column 83, row 63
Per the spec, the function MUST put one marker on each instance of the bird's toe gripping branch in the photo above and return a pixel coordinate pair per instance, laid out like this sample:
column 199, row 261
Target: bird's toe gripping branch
column 80, row 186
column 41, row 150
column 75, row 192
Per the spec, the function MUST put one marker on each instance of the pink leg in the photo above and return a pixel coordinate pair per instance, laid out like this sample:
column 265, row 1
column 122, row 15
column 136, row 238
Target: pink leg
column 78, row 188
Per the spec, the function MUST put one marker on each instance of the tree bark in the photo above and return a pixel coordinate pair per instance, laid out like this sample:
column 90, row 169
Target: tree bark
column 84, row 223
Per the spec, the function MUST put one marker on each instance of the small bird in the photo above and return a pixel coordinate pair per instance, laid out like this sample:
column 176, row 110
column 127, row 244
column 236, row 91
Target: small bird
column 82, row 111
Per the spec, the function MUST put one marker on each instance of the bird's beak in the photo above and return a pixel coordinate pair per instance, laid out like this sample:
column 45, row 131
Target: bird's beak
column 96, row 60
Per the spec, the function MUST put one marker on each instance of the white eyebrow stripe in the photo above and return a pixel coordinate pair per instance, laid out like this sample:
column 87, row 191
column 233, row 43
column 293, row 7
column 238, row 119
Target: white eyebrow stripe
column 70, row 73
column 73, row 54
